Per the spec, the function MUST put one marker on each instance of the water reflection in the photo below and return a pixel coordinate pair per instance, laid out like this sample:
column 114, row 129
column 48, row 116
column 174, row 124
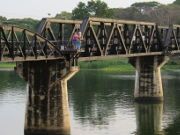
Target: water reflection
column 97, row 96
column 103, row 100
column 10, row 86
column 172, row 104
column 149, row 119
column 173, row 128
column 12, row 103
column 100, row 104
column 9, row 81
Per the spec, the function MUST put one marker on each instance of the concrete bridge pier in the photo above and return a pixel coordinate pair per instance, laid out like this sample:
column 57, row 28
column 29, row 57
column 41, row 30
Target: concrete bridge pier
column 47, row 109
column 148, row 83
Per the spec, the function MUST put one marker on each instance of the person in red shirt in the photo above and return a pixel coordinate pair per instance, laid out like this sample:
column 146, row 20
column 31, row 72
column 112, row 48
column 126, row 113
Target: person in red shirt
column 76, row 39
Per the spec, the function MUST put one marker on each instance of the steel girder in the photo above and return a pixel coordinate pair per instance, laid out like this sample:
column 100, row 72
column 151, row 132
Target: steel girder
column 110, row 37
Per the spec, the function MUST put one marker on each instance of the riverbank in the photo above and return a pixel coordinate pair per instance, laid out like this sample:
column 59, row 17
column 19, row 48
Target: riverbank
column 122, row 65
column 114, row 65
column 108, row 65
column 7, row 66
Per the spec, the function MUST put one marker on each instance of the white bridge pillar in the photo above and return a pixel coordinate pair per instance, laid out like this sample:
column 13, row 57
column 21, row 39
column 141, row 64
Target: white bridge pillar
column 148, row 83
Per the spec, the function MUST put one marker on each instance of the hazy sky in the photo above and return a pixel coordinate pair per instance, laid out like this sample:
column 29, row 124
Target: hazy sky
column 40, row 8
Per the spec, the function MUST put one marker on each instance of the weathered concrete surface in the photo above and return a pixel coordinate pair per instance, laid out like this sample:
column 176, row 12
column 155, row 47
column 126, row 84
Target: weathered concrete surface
column 148, row 82
column 47, row 109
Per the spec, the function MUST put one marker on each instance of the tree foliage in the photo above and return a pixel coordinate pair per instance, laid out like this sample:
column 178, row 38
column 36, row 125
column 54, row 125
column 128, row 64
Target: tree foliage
column 151, row 4
column 140, row 11
column 177, row 2
column 27, row 23
column 130, row 13
column 98, row 8
column 64, row 15
column 150, row 11
column 80, row 11
column 95, row 8
column 146, row 7
column 2, row 19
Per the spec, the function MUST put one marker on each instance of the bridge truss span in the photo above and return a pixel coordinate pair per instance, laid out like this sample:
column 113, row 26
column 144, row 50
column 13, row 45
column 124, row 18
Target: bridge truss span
column 114, row 37
column 18, row 44
column 110, row 37
column 129, row 38
column 58, row 31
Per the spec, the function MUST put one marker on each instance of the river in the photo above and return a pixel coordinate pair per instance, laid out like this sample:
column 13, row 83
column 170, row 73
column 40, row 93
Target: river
column 100, row 104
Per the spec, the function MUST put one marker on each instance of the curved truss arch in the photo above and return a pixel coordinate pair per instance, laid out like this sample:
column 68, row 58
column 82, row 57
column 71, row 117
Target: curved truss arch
column 18, row 44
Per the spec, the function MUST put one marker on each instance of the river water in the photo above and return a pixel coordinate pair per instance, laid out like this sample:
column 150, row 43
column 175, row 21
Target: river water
column 100, row 104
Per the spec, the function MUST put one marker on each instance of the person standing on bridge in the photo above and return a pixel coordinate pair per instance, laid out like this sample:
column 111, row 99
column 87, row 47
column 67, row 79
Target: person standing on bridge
column 76, row 39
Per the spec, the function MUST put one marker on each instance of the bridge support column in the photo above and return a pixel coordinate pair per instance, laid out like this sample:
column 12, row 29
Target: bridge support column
column 47, row 110
column 148, row 83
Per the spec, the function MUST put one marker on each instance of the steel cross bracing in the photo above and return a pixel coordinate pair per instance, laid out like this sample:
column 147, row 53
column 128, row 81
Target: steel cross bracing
column 57, row 31
column 109, row 37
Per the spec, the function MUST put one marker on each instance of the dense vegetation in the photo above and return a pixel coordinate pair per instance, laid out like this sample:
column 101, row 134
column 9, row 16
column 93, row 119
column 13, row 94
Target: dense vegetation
column 113, row 65
column 8, row 65
column 27, row 23
column 142, row 11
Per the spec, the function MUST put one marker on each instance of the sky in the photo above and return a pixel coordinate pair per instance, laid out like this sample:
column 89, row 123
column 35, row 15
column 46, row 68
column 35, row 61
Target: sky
column 38, row 9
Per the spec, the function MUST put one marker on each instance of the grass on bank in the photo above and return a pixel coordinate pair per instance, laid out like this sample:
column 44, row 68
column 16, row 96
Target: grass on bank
column 7, row 65
column 172, row 65
column 113, row 65
column 122, row 65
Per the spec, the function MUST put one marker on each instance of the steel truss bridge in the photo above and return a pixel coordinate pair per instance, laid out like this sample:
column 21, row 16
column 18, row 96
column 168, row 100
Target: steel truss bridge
column 102, row 38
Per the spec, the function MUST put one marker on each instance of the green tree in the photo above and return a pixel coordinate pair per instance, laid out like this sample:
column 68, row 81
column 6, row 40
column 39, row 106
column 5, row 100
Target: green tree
column 166, row 15
column 146, row 7
column 95, row 8
column 151, row 4
column 27, row 23
column 130, row 13
column 98, row 8
column 64, row 15
column 2, row 19
column 80, row 11
column 177, row 2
